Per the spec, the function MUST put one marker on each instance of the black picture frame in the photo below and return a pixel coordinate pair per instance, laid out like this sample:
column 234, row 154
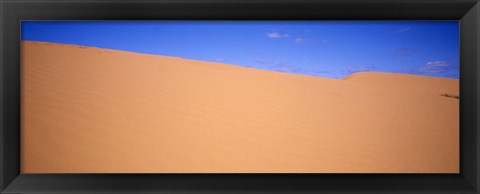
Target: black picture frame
column 14, row 11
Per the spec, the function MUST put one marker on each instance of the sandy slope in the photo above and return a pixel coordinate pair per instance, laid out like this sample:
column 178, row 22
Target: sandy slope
column 88, row 110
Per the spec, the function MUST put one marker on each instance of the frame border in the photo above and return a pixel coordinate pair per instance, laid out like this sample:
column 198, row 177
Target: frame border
column 12, row 12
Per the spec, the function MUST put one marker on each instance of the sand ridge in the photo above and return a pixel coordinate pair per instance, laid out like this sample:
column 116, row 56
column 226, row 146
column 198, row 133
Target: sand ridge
column 93, row 110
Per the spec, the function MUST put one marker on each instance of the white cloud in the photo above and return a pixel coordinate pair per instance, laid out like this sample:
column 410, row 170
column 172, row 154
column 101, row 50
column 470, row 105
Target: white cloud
column 437, row 64
column 303, row 40
column 277, row 35
column 299, row 41
column 402, row 30
column 435, row 67
column 354, row 69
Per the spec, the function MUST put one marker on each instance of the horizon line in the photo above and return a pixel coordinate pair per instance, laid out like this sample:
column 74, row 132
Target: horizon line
column 218, row 62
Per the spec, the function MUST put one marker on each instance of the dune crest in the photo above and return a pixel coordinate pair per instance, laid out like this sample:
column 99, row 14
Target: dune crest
column 92, row 110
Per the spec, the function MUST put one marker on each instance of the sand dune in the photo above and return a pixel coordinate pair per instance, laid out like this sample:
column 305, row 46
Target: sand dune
column 91, row 110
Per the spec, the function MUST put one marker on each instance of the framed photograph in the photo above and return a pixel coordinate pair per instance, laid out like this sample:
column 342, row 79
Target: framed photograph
column 251, row 96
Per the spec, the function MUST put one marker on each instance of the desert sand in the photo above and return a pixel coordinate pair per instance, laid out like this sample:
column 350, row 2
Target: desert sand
column 92, row 110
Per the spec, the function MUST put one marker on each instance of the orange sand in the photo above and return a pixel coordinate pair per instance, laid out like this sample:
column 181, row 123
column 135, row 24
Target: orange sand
column 91, row 110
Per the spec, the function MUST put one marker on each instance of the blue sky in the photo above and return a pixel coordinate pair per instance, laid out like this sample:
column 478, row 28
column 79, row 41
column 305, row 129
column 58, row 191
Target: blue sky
column 332, row 49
